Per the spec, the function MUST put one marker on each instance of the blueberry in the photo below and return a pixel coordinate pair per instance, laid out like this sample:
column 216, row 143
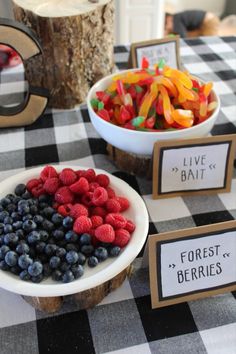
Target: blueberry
column 23, row 209
column 42, row 257
column 71, row 247
column 8, row 228
column 11, row 208
column 33, row 237
column 11, row 258
column 82, row 258
column 26, row 195
column 38, row 219
column 87, row 249
column 20, row 234
column 11, row 239
column 85, row 239
column 17, row 225
column 58, row 234
column 47, row 225
column 48, row 212
column 24, row 275
column 22, row 248
column 71, row 236
column 3, row 214
column 1, row 240
column 33, row 209
column 72, row 257
column 32, row 252
column 64, row 267
column 101, row 254
column 35, row 269
column 114, row 251
column 1, row 208
column 27, row 217
column 57, row 219
column 54, row 262
column 3, row 251
column 61, row 252
column 47, row 270
column 68, row 276
column 44, row 198
column 20, row 189
column 77, row 271
column 5, row 201
column 43, row 206
column 4, row 265
column 62, row 243
column 16, row 216
column 40, row 247
column 68, row 222
column 1, row 227
column 57, row 275
column 37, row 279
column 50, row 249
column 15, row 270
column 24, row 261
column 44, row 235
column 29, row 225
column 92, row 261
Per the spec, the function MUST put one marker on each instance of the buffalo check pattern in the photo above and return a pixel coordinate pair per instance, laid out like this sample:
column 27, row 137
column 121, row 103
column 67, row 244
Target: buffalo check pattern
column 124, row 323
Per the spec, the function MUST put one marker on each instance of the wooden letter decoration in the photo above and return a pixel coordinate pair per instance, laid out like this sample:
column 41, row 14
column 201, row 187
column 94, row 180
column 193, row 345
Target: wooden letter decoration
column 22, row 40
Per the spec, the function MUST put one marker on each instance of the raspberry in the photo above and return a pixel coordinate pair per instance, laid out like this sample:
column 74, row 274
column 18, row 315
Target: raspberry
column 87, row 198
column 93, row 186
column 63, row 196
column 111, row 193
column 78, row 210
column 48, row 172
column 118, row 221
column 82, row 224
column 103, row 180
column 96, row 221
column 99, row 196
column 122, row 237
column 130, row 226
column 38, row 190
column 99, row 211
column 32, row 183
column 80, row 187
column 67, row 176
column 113, row 206
column 65, row 209
column 124, row 203
column 89, row 174
column 51, row 185
column 105, row 233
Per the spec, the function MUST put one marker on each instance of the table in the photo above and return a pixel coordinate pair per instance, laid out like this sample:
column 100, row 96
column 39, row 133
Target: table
column 124, row 322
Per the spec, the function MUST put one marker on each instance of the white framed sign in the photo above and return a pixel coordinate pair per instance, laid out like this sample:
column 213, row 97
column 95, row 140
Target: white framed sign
column 193, row 166
column 192, row 263
column 155, row 50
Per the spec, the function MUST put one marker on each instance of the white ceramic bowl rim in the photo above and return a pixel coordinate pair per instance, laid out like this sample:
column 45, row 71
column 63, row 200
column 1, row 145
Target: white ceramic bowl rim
column 172, row 133
column 92, row 276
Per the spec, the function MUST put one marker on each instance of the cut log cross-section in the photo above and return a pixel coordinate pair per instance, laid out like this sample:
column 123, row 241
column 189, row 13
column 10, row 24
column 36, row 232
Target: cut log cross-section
column 77, row 38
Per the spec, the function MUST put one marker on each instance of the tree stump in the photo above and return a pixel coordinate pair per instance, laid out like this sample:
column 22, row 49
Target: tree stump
column 131, row 163
column 84, row 299
column 77, row 39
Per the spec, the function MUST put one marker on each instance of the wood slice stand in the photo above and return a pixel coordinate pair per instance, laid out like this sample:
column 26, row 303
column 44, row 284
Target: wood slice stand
column 77, row 49
column 85, row 299
column 134, row 164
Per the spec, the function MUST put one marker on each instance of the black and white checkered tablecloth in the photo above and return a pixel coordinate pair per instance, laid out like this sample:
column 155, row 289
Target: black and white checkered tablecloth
column 124, row 322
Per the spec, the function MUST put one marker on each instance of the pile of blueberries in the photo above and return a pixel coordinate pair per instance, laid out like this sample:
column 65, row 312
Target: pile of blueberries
column 36, row 242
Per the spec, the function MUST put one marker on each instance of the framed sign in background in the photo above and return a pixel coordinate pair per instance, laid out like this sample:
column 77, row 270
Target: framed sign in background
column 193, row 166
column 154, row 51
column 193, row 263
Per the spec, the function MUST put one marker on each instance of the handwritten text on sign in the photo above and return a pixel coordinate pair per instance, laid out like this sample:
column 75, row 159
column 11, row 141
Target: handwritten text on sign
column 194, row 168
column 195, row 264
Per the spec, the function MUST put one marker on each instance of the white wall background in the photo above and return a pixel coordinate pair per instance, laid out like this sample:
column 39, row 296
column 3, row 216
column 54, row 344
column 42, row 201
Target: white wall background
column 5, row 8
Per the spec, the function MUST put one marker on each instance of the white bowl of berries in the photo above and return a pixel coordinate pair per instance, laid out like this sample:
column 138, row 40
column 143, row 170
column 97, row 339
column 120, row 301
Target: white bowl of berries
column 67, row 229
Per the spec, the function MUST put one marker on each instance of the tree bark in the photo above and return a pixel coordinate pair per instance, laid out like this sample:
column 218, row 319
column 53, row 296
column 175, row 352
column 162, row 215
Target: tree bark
column 77, row 50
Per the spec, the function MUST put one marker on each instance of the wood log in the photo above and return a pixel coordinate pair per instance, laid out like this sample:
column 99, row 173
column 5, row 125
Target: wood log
column 134, row 164
column 84, row 299
column 77, row 40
